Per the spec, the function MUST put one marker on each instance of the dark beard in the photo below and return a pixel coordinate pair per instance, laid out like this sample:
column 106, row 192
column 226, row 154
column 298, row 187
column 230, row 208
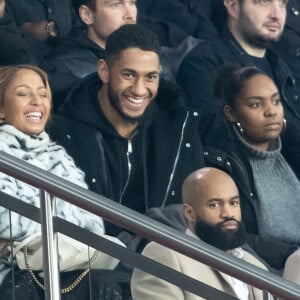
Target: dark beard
column 216, row 236
column 252, row 36
column 113, row 98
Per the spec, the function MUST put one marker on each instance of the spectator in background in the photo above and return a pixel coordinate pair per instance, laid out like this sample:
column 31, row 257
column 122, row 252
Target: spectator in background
column 253, row 27
column 211, row 207
column 78, row 55
column 45, row 21
column 246, row 144
column 127, row 130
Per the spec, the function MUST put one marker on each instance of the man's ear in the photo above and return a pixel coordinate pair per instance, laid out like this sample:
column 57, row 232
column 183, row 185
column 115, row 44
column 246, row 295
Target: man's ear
column 229, row 114
column 189, row 213
column 86, row 15
column 232, row 7
column 103, row 71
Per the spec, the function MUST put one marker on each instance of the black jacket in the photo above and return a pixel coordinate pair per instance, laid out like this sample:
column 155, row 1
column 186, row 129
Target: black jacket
column 198, row 72
column 15, row 46
column 223, row 151
column 142, row 173
column 195, row 18
column 289, row 43
column 75, row 57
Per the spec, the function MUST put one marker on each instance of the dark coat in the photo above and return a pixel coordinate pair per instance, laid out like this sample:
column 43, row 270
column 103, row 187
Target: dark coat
column 222, row 150
column 147, row 171
column 198, row 72
column 174, row 20
column 289, row 44
column 75, row 57
column 15, row 46
column 61, row 12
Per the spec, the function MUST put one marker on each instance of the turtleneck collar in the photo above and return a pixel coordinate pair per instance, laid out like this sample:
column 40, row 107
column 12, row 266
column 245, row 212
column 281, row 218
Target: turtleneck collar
column 273, row 150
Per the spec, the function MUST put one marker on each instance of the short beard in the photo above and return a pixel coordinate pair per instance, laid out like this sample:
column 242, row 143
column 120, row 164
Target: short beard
column 221, row 238
column 114, row 101
column 252, row 35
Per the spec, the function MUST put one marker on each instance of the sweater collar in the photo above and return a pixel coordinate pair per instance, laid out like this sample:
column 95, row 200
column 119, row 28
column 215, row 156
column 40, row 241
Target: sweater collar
column 273, row 150
column 25, row 140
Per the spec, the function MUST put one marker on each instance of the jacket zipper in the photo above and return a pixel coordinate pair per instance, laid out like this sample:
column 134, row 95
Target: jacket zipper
column 176, row 159
column 129, row 151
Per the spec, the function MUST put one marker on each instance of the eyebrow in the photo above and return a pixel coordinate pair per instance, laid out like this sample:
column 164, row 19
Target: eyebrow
column 135, row 72
column 111, row 1
column 262, row 98
column 236, row 197
column 27, row 86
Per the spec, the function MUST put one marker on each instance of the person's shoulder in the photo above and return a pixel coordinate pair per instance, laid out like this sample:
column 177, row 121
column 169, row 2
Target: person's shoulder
column 252, row 259
column 207, row 47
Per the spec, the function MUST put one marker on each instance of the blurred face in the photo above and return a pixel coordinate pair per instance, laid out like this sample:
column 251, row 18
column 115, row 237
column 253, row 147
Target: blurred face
column 26, row 105
column 109, row 16
column 132, row 84
column 259, row 111
column 2, row 8
column 261, row 22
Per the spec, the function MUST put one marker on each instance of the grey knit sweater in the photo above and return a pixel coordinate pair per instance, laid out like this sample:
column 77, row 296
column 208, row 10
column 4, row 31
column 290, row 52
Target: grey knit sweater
column 278, row 193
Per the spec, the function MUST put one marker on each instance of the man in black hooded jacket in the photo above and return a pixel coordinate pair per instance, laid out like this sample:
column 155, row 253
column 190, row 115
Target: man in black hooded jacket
column 130, row 134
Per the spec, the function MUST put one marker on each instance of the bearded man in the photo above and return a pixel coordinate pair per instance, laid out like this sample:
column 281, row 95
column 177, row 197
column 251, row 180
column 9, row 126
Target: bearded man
column 211, row 207
column 127, row 130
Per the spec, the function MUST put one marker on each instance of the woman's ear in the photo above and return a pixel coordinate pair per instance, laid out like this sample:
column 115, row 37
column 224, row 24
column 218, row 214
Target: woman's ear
column 228, row 112
column 103, row 71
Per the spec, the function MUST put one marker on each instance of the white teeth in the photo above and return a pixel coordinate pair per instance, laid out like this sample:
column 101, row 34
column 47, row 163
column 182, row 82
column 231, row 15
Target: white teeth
column 136, row 100
column 34, row 114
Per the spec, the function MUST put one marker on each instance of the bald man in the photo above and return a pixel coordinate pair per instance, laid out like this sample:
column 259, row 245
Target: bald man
column 211, row 208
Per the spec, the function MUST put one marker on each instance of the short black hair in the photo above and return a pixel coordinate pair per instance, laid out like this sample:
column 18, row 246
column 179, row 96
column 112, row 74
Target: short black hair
column 89, row 3
column 130, row 36
column 231, row 79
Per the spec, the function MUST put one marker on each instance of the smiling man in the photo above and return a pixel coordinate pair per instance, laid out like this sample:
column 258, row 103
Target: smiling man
column 211, row 208
column 127, row 129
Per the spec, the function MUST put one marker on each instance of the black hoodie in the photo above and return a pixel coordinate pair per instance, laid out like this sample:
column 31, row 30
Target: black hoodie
column 141, row 173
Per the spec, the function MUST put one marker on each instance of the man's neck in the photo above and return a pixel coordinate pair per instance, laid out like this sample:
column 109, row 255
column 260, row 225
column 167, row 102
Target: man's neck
column 94, row 38
column 249, row 49
column 124, row 128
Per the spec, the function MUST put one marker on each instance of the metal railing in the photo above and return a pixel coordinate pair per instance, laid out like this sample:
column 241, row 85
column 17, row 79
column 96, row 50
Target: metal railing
column 132, row 221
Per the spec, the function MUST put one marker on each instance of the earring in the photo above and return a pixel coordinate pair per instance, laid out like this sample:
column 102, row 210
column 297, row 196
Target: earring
column 239, row 126
column 283, row 126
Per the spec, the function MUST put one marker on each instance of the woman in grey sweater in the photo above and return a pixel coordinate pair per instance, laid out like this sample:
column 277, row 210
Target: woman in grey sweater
column 246, row 143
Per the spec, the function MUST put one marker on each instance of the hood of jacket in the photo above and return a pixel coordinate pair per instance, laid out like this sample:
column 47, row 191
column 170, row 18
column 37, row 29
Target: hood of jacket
column 82, row 102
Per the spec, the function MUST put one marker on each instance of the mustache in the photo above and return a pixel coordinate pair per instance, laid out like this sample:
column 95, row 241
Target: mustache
column 228, row 219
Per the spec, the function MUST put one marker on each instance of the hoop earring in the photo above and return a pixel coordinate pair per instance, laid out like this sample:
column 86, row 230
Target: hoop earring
column 239, row 127
column 283, row 126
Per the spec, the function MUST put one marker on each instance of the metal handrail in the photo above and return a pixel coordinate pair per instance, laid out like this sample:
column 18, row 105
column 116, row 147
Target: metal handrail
column 146, row 227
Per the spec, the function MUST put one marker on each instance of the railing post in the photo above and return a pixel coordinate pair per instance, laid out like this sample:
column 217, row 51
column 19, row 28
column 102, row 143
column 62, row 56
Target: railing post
column 50, row 249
